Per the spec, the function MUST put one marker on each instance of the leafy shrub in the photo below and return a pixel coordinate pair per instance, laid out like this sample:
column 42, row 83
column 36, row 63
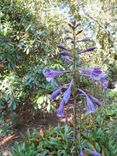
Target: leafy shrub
column 24, row 50
column 11, row 89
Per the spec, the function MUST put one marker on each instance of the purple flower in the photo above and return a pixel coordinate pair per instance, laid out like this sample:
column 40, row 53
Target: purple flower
column 91, row 48
column 81, row 152
column 66, row 97
column 64, row 54
column 103, row 81
column 83, row 40
column 56, row 93
column 89, row 104
column 50, row 74
column 61, row 47
column 94, row 153
column 95, row 74
column 95, row 70
column 78, row 24
column 95, row 100
column 60, row 111
column 67, row 93
column 67, row 31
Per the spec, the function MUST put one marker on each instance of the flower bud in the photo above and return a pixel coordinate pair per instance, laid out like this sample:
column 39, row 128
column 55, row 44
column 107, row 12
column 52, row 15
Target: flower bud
column 61, row 47
column 67, row 31
column 83, row 40
column 71, row 26
column 91, row 48
column 78, row 24
column 73, row 22
column 79, row 32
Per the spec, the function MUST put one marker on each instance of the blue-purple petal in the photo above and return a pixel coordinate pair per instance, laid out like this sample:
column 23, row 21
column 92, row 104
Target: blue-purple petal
column 96, row 71
column 60, row 111
column 95, row 74
column 64, row 54
column 104, row 84
column 61, row 47
column 83, row 40
column 89, row 104
column 67, row 93
column 50, row 74
column 94, row 153
column 96, row 101
column 81, row 152
column 55, row 93
column 91, row 48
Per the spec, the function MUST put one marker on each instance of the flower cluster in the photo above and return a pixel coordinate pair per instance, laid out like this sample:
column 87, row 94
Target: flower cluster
column 95, row 74
column 91, row 102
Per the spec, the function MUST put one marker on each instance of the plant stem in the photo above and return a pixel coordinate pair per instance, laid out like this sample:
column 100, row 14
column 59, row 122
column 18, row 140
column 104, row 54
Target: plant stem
column 76, row 85
column 74, row 91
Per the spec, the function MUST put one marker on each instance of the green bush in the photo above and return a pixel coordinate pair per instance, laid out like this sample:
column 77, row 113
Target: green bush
column 24, row 51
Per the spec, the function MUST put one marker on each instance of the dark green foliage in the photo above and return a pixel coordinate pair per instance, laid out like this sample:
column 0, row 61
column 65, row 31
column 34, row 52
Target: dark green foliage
column 43, row 143
column 59, row 141
column 24, row 51
column 5, row 125
column 104, row 131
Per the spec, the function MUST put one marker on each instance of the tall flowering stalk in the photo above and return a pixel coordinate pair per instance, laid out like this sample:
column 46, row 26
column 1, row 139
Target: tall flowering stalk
column 73, row 26
column 72, row 57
